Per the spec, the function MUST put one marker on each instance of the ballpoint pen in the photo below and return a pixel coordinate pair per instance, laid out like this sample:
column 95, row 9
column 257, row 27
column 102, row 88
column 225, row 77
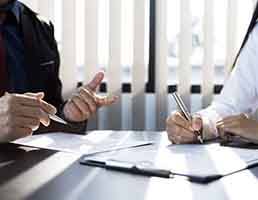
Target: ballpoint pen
column 186, row 114
column 135, row 168
column 57, row 119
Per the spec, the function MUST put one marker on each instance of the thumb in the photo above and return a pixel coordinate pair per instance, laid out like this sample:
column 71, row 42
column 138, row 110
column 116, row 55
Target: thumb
column 39, row 95
column 197, row 123
column 96, row 81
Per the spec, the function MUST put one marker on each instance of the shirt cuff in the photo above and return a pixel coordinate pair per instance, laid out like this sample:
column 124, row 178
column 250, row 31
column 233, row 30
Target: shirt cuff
column 209, row 119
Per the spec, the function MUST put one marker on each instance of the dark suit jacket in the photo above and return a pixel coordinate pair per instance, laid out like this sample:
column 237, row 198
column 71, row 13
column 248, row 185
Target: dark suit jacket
column 43, row 60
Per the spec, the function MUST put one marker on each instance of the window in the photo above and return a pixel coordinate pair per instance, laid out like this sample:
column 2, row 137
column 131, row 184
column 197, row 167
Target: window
column 244, row 12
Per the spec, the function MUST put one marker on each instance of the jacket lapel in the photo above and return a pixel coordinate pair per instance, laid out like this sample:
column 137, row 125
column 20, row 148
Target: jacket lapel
column 31, row 51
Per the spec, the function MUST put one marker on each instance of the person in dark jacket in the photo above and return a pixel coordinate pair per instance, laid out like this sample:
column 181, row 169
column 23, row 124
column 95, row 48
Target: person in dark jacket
column 30, row 88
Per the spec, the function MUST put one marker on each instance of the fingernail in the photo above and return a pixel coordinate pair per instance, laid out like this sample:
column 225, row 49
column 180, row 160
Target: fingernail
column 219, row 122
column 196, row 127
column 114, row 98
column 54, row 110
column 222, row 127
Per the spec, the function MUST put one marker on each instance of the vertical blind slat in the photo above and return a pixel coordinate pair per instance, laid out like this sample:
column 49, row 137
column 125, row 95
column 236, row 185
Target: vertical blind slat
column 91, row 45
column 231, row 34
column 138, row 84
column 68, row 53
column 185, row 51
column 46, row 8
column 91, row 39
column 114, row 73
column 161, row 64
column 208, row 64
column 114, row 67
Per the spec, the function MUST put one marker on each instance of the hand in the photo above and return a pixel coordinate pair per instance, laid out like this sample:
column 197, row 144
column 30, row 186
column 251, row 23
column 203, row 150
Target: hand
column 239, row 125
column 180, row 130
column 85, row 104
column 20, row 115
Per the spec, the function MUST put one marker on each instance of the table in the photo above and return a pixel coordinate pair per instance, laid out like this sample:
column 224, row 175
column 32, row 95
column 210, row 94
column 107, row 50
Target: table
column 31, row 173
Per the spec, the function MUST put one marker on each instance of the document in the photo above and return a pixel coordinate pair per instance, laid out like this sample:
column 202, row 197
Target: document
column 193, row 160
column 92, row 143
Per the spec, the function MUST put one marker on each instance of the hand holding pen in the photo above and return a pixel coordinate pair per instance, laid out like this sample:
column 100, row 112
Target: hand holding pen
column 182, row 127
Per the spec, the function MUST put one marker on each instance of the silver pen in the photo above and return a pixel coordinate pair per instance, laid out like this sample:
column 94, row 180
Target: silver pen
column 186, row 114
column 57, row 119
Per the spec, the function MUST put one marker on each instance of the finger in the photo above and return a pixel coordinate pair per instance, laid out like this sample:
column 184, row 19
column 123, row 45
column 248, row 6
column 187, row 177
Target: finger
column 81, row 106
column 96, row 81
column 187, row 140
column 177, row 129
column 50, row 109
column 27, row 122
column 229, row 119
column 197, row 123
column 229, row 124
column 179, row 139
column 33, row 112
column 224, row 135
column 171, row 133
column 229, row 132
column 179, row 120
column 174, row 139
column 106, row 101
column 39, row 95
column 72, row 109
column 89, row 99
column 20, row 132
column 185, row 134
column 27, row 100
column 102, row 100
column 31, row 101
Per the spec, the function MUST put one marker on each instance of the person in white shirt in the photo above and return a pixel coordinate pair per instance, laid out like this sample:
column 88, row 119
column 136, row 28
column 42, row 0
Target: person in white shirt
column 230, row 112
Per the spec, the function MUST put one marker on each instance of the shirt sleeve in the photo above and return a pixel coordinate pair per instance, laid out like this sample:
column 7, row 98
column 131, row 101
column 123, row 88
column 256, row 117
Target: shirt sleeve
column 239, row 94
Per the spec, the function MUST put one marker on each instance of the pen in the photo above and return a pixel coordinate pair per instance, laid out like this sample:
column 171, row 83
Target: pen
column 186, row 114
column 57, row 119
column 133, row 168
column 127, row 167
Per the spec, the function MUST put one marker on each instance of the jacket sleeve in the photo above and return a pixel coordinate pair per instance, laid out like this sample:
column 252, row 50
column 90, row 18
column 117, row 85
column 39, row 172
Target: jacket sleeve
column 53, row 91
column 239, row 94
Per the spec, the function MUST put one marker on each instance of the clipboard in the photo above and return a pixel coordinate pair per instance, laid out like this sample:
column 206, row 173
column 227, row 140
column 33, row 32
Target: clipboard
column 213, row 167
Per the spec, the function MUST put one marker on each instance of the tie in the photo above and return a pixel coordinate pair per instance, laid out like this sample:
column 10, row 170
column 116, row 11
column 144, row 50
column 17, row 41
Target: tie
column 3, row 66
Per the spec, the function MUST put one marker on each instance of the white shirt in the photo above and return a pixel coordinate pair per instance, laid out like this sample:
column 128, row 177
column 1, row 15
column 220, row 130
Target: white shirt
column 240, row 93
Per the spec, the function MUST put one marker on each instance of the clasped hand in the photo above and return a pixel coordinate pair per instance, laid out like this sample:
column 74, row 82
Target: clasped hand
column 239, row 125
column 182, row 131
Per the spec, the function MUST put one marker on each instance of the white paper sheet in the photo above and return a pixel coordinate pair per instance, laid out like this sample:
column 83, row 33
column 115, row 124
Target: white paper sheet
column 201, row 160
column 94, row 142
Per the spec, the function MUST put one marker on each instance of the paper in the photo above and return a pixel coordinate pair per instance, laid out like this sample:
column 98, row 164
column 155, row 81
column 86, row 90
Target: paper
column 94, row 142
column 199, row 160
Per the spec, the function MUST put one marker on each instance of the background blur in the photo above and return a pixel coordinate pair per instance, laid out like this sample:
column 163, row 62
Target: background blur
column 148, row 48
